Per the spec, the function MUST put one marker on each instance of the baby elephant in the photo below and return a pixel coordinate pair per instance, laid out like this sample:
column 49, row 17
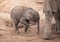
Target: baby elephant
column 24, row 15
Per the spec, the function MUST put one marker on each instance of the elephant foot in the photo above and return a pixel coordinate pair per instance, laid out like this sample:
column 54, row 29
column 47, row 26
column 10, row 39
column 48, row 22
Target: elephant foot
column 47, row 37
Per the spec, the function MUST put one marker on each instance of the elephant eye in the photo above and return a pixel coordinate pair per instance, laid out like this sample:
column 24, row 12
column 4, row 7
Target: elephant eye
column 53, row 12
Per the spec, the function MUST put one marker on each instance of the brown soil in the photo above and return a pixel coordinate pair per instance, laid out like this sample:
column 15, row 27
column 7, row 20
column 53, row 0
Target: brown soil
column 7, row 33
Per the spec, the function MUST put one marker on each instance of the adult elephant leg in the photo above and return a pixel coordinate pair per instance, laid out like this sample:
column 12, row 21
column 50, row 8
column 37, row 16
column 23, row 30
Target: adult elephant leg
column 58, row 25
column 47, row 29
column 57, row 19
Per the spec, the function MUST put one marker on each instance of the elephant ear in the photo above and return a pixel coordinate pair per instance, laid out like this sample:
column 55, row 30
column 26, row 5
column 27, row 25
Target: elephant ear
column 53, row 4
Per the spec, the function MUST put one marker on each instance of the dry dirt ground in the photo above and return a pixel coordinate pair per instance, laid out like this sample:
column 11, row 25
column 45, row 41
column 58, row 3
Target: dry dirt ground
column 7, row 33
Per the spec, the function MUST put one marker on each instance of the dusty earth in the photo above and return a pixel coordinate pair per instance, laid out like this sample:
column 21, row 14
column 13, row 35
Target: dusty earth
column 7, row 33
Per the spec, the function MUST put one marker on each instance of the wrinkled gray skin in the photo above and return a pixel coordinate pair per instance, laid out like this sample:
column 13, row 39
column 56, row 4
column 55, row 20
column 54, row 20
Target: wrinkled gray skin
column 51, row 8
column 24, row 15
